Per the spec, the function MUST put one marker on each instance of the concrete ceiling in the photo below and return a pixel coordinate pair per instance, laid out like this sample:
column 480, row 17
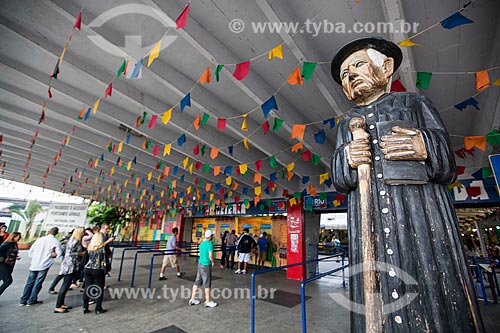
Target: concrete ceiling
column 33, row 33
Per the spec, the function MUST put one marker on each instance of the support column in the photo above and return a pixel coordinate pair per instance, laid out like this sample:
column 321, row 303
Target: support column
column 295, row 251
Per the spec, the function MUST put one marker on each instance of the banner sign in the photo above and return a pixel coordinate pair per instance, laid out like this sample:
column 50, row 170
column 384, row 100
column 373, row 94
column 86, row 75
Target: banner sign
column 276, row 206
column 65, row 216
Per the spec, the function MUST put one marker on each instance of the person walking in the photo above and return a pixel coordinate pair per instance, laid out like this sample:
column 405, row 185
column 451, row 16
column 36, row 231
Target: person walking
column 70, row 267
column 171, row 256
column 94, row 273
column 231, row 240
column 8, row 257
column 204, row 272
column 245, row 245
column 223, row 249
column 42, row 254
column 262, row 242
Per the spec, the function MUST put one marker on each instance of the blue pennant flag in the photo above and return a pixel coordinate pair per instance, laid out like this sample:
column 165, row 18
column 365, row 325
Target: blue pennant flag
column 102, row 157
column 305, row 179
column 455, row 20
column 273, row 177
column 134, row 160
column 181, row 140
column 217, row 186
column 127, row 141
column 203, row 197
column 228, row 170
column 230, row 150
column 269, row 105
column 87, row 114
column 330, row 121
column 186, row 101
column 320, row 137
column 176, row 168
column 328, row 182
column 153, row 187
column 245, row 191
column 266, row 190
column 143, row 180
column 182, row 179
column 137, row 69
column 469, row 101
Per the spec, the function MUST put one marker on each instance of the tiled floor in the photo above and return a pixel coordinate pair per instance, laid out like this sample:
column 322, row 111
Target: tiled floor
column 166, row 309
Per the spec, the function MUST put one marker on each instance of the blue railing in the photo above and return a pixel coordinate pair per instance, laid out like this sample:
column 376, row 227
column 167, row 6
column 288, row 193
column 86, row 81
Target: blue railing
column 252, row 283
column 314, row 278
column 492, row 279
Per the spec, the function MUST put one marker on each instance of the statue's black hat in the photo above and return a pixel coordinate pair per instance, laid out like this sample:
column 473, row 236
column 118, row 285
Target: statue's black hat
column 382, row 45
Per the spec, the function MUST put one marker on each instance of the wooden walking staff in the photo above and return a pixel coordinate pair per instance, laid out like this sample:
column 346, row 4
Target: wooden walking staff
column 373, row 303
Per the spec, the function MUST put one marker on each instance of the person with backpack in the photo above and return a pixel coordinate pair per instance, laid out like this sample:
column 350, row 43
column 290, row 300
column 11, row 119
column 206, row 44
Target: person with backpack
column 245, row 245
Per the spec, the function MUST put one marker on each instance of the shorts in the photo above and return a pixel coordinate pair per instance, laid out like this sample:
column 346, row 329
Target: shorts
column 203, row 276
column 243, row 257
column 170, row 259
column 262, row 256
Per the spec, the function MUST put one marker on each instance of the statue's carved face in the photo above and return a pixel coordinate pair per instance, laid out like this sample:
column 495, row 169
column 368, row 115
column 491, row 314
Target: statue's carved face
column 363, row 81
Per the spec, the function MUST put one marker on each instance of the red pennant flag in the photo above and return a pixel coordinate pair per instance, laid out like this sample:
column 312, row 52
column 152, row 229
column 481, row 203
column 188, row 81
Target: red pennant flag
column 42, row 117
column 238, row 172
column 241, row 70
column 1, row 139
column 196, row 149
column 78, row 22
column 258, row 165
column 265, row 126
column 221, row 124
column 109, row 90
column 156, row 149
column 307, row 155
column 397, row 86
column 198, row 165
column 285, row 194
column 182, row 19
column 152, row 123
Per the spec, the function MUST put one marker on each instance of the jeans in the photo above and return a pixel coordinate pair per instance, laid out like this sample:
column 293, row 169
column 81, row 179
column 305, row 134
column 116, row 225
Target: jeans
column 94, row 285
column 5, row 276
column 33, row 286
column 230, row 254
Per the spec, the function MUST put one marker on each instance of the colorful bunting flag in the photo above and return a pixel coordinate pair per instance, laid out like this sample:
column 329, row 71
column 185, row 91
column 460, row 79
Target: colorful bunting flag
column 181, row 140
column 214, row 152
column 78, row 22
column 497, row 82
column 397, row 86
column 245, row 144
column 265, row 126
column 166, row 116
column 137, row 69
column 295, row 77
column 154, row 53
column 243, row 169
column 308, row 70
column 277, row 52
column 272, row 162
column 55, row 71
column 296, row 147
column 181, row 21
column 244, row 126
column 196, row 122
column 241, row 70
column 469, row 101
column 204, row 119
column 482, row 80
column 205, row 77
column 423, row 80
column 408, row 43
column 269, row 105
column 122, row 68
column 277, row 124
column 156, row 150
column 96, row 105
column 323, row 177
column 258, row 165
column 196, row 149
column 217, row 71
column 493, row 137
column 315, row 159
column 475, row 141
column 298, row 131
column 186, row 101
column 109, row 90
column 455, row 20
column 216, row 170
column 152, row 122
column 305, row 179
column 320, row 137
column 221, row 124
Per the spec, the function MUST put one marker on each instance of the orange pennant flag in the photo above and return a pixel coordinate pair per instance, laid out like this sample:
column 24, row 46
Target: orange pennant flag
column 295, row 77
column 206, row 77
column 174, row 183
column 289, row 175
column 256, row 200
column 475, row 141
column 235, row 186
column 482, row 80
column 296, row 147
column 213, row 153
column 207, row 187
column 257, row 178
column 216, row 170
column 196, row 122
column 298, row 131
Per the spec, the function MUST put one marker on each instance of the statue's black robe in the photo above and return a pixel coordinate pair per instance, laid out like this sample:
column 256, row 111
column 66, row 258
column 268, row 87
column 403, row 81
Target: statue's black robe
column 417, row 233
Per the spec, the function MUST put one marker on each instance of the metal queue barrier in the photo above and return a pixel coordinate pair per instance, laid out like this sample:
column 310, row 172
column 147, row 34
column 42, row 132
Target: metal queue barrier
column 252, row 282
column 491, row 277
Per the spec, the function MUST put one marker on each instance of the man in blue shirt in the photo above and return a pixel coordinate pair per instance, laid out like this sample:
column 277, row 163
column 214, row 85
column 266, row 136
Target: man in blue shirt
column 262, row 242
column 204, row 273
column 171, row 256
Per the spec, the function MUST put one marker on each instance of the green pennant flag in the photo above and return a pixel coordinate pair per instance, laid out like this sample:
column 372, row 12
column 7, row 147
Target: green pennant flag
column 493, row 137
column 308, row 70
column 272, row 162
column 133, row 175
column 110, row 147
column 204, row 119
column 217, row 71
column 206, row 168
column 309, row 207
column 144, row 115
column 322, row 196
column 170, row 185
column 487, row 172
column 160, row 164
column 282, row 174
column 423, row 80
column 121, row 70
column 245, row 202
column 203, row 148
column 277, row 124
column 148, row 144
column 316, row 159
column 297, row 195
column 123, row 166
column 201, row 183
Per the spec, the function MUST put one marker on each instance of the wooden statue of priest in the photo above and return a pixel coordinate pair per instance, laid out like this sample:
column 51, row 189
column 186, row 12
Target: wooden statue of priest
column 422, row 278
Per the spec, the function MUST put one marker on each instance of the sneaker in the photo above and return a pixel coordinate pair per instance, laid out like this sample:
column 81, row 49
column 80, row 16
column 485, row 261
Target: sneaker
column 243, row 271
column 162, row 278
column 210, row 304
column 194, row 301
column 22, row 304
column 180, row 274
column 238, row 271
column 36, row 303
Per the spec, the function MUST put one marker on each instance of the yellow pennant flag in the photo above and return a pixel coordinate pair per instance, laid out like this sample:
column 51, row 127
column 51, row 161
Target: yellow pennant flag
column 408, row 43
column 96, row 105
column 162, row 193
column 230, row 194
column 167, row 148
column 185, row 162
column 243, row 168
column 96, row 163
column 496, row 83
column 158, row 178
column 166, row 116
column 150, row 174
column 129, row 165
column 191, row 169
column 277, row 52
column 290, row 166
column 245, row 143
column 112, row 170
column 126, row 183
column 244, row 126
column 188, row 190
column 455, row 184
column 155, row 52
column 120, row 147
column 228, row 180
column 293, row 201
column 211, row 196
column 257, row 190
column 63, row 52
column 323, row 177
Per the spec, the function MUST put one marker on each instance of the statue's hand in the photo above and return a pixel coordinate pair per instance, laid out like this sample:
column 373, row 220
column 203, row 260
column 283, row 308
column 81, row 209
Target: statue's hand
column 358, row 152
column 404, row 144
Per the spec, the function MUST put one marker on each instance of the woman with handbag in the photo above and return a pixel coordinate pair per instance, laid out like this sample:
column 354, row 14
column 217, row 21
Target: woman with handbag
column 8, row 258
